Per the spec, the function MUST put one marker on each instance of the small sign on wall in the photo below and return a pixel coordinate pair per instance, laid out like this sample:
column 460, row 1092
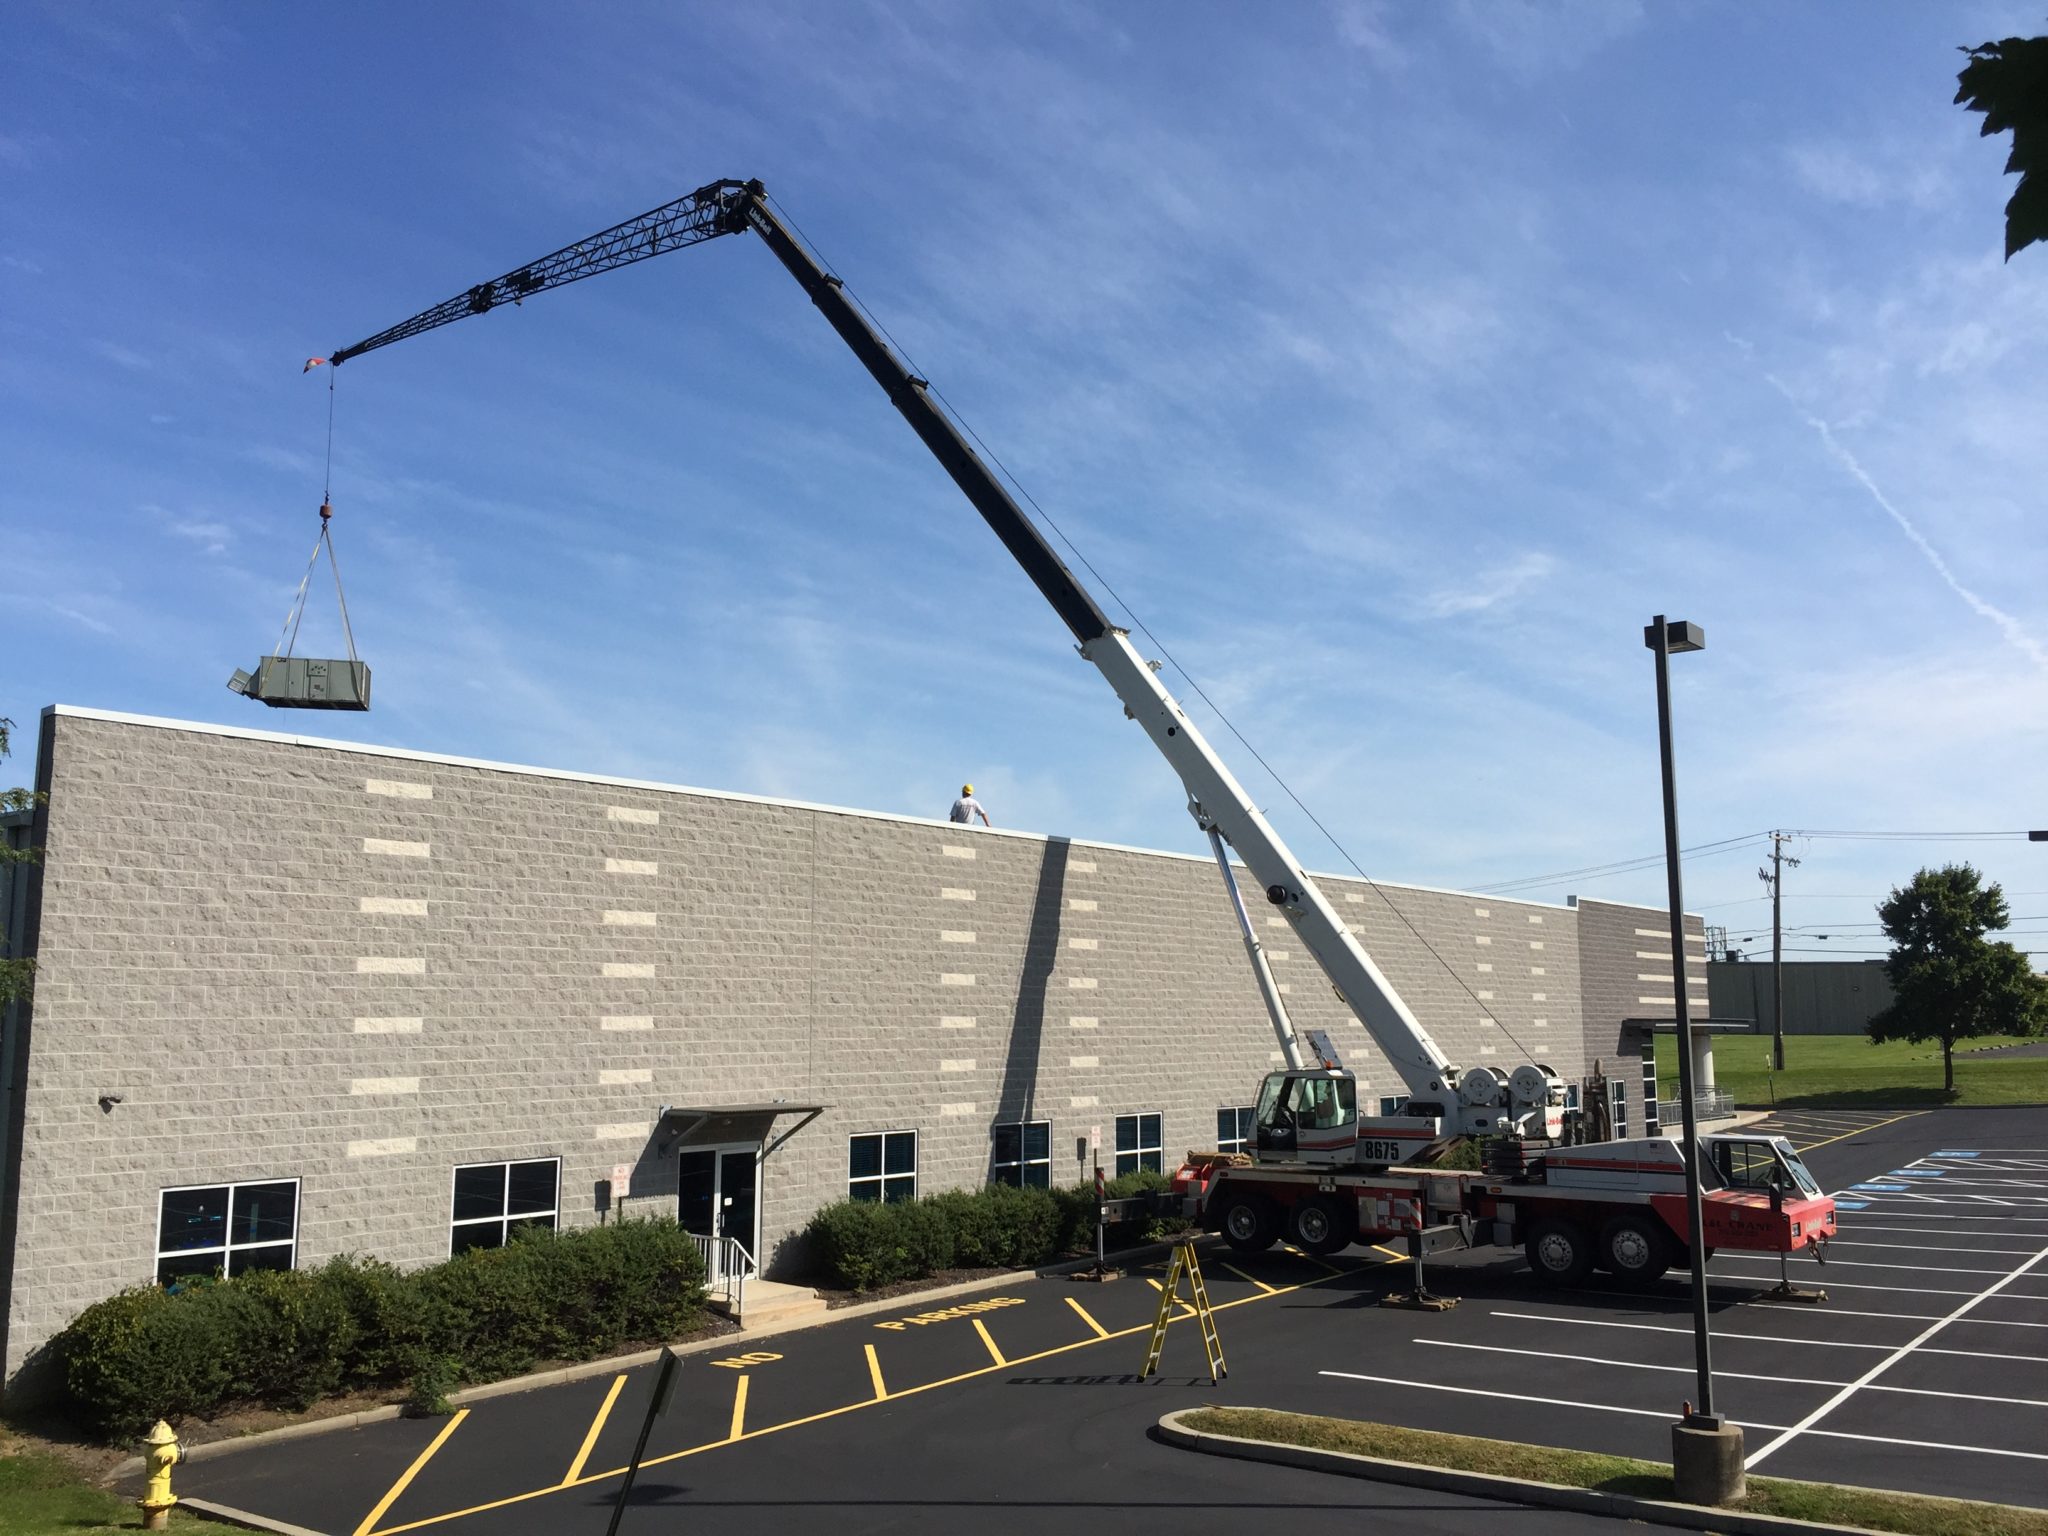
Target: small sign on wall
column 622, row 1180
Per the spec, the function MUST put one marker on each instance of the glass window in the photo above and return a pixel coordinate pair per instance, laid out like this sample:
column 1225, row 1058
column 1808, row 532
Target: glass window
column 1023, row 1155
column 882, row 1165
column 1137, row 1143
column 493, row 1200
column 1393, row 1104
column 227, row 1228
column 1233, row 1129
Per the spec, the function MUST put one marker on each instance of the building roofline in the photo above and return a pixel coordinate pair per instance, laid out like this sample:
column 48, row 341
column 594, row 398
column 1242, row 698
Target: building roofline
column 449, row 760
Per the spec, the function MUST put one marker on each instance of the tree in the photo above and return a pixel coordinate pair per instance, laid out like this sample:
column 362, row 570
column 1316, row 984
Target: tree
column 1949, row 981
column 2008, row 82
column 16, row 975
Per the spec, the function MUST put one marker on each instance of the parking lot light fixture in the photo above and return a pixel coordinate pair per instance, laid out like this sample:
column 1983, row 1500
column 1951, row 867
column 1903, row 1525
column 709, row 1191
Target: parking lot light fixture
column 1706, row 1449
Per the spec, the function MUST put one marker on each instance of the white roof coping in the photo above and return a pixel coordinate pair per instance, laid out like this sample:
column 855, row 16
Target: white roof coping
column 406, row 754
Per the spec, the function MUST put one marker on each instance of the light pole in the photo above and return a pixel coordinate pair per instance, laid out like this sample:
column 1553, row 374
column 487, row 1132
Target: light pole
column 1706, row 1450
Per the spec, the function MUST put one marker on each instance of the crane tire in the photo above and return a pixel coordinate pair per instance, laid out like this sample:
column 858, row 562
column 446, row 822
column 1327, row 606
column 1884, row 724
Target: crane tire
column 1636, row 1249
column 1559, row 1252
column 1322, row 1225
column 1249, row 1223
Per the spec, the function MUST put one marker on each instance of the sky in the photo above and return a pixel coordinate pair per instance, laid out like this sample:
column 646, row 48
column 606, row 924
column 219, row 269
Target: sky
column 1393, row 363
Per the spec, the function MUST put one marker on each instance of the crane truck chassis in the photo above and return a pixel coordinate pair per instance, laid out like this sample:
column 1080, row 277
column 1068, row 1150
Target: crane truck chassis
column 1615, row 1206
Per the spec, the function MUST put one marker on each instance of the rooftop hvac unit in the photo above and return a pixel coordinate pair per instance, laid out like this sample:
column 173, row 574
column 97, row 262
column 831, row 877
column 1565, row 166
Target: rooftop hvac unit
column 306, row 682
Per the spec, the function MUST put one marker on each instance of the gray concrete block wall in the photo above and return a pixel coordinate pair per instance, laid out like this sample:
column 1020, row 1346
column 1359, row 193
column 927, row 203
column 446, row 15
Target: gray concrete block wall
column 362, row 968
column 1625, row 972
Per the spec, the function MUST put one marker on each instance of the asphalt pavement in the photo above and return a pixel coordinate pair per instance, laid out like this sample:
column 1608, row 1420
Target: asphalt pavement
column 1927, row 1369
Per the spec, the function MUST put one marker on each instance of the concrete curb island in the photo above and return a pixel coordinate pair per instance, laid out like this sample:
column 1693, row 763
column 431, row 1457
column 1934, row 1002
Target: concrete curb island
column 718, row 1343
column 1486, row 1485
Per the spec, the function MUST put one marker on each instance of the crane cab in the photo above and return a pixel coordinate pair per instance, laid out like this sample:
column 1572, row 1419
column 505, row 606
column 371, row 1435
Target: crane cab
column 1307, row 1115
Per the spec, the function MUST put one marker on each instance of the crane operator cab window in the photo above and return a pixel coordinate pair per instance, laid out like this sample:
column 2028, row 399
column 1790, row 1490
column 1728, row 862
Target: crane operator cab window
column 1298, row 1113
column 1763, row 1166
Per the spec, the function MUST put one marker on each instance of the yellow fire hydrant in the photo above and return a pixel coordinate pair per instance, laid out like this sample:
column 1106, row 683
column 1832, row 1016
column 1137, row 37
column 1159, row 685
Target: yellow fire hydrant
column 163, row 1454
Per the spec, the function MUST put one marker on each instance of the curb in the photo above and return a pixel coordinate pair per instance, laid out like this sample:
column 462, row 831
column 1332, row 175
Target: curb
column 607, row 1367
column 226, row 1514
column 1485, row 1485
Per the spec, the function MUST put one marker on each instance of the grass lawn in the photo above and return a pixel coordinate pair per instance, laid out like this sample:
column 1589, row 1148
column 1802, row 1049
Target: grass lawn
column 1870, row 1508
column 1848, row 1071
column 41, row 1495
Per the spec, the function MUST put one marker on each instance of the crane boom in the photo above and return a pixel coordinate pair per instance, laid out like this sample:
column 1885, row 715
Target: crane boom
column 1217, row 801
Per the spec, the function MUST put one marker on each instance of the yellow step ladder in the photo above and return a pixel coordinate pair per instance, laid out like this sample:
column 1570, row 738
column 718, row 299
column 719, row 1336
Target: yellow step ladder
column 1184, row 1262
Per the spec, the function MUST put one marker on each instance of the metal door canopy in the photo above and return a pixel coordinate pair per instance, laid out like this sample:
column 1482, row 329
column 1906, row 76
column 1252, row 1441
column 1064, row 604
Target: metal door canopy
column 306, row 682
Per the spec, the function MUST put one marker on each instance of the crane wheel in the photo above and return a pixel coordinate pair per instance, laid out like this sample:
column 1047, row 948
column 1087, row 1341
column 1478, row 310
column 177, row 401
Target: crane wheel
column 1321, row 1225
column 1249, row 1223
column 1636, row 1249
column 1559, row 1252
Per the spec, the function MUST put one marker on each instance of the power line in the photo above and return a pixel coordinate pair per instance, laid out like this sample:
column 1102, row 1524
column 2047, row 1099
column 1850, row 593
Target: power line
column 1618, row 867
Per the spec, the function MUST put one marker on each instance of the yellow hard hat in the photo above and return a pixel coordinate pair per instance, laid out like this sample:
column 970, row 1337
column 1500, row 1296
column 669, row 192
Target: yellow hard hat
column 966, row 789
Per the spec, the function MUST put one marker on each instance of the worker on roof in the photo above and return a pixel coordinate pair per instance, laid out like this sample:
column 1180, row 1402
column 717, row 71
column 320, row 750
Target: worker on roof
column 966, row 808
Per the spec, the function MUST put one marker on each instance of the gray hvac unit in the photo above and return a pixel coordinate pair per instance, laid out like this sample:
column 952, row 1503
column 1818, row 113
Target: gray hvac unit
column 306, row 682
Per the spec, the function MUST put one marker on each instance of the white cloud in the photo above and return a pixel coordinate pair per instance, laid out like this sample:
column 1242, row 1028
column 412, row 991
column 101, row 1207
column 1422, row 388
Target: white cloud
column 1871, row 175
column 211, row 537
column 125, row 357
column 1536, row 37
column 1366, row 26
column 1491, row 588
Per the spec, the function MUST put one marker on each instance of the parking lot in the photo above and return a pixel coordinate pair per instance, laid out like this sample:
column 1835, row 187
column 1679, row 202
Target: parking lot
column 1926, row 1370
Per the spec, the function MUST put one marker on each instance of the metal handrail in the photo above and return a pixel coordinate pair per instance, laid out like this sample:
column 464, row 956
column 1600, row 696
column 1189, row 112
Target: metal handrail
column 1709, row 1103
column 726, row 1267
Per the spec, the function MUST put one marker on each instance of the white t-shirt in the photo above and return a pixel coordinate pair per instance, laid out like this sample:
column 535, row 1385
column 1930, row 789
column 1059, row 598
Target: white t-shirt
column 966, row 808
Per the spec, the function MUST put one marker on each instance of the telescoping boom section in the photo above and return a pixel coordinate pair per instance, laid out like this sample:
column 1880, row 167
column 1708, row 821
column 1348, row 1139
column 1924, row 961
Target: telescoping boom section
column 1308, row 1111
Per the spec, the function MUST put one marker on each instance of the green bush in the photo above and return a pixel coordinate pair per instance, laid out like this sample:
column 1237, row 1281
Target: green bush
column 288, row 1338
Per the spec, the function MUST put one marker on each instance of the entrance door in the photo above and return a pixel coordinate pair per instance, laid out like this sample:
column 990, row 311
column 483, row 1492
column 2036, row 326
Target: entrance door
column 716, row 1195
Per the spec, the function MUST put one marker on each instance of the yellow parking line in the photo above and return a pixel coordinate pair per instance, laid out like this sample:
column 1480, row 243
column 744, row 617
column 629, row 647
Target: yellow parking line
column 1909, row 1114
column 875, row 1374
column 1392, row 1253
column 995, row 1354
column 829, row 1413
column 1100, row 1331
column 590, row 1439
column 1319, row 1264
column 405, row 1478
column 1254, row 1280
column 739, row 1408
column 1185, row 1309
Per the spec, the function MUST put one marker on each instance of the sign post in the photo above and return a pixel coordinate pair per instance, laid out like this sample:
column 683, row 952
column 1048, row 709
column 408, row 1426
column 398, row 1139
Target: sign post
column 664, row 1391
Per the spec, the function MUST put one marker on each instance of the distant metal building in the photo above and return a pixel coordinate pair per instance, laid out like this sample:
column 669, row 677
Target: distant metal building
column 1822, row 997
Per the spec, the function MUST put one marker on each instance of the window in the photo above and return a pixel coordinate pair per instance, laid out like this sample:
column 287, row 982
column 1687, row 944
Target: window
column 1571, row 1095
column 1394, row 1104
column 230, row 1228
column 1023, row 1155
column 1137, row 1143
column 1233, row 1129
column 882, row 1165
column 494, row 1200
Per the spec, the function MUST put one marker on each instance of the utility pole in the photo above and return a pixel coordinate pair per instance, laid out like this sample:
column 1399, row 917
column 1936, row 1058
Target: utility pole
column 1774, row 877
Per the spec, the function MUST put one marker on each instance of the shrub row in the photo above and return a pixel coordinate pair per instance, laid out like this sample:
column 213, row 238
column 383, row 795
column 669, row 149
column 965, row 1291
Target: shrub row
column 288, row 1338
column 860, row 1245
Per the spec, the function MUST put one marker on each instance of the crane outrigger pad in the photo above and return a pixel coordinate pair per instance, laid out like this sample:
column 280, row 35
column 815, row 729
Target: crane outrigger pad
column 306, row 682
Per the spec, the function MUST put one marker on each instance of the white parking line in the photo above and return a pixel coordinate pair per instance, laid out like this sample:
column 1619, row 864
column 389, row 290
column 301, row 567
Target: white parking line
column 1938, row 1231
column 1925, row 1269
column 1687, row 1370
column 1779, row 1338
column 1806, row 1424
column 1665, row 1414
column 1928, row 1317
column 1844, row 1242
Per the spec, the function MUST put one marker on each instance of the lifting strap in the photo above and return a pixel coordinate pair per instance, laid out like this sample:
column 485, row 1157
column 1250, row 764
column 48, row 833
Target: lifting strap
column 289, row 637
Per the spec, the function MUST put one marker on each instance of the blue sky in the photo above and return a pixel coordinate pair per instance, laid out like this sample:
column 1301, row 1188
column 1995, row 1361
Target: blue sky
column 1394, row 362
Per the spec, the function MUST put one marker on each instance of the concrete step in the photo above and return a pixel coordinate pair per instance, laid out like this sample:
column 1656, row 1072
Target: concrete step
column 770, row 1302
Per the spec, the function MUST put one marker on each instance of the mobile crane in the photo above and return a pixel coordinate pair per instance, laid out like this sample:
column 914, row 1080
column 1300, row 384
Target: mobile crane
column 1321, row 1171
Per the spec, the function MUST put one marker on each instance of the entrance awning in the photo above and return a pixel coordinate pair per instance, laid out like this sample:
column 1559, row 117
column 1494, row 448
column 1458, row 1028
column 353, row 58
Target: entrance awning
column 714, row 1124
